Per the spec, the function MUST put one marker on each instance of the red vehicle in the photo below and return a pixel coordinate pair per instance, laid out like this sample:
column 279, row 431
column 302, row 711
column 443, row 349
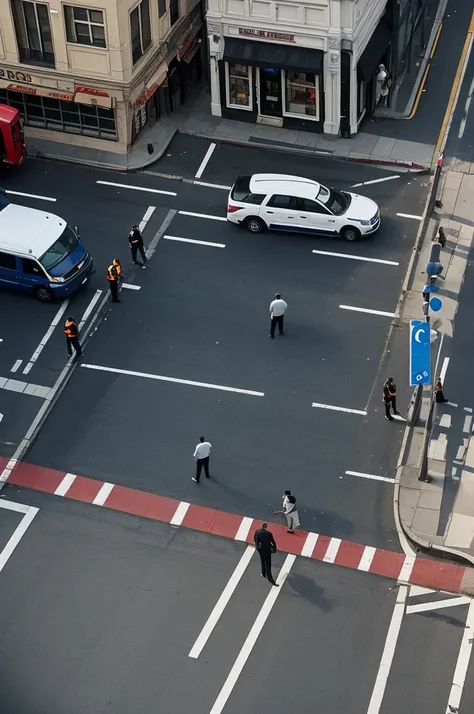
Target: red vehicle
column 12, row 143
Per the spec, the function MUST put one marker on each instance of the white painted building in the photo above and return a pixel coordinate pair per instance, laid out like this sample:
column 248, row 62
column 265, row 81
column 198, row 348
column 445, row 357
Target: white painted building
column 306, row 64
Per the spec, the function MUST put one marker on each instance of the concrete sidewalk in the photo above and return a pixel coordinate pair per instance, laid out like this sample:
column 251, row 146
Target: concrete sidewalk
column 420, row 502
column 196, row 119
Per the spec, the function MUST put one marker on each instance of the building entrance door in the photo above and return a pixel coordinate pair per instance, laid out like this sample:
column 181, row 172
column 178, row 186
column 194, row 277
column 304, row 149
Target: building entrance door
column 270, row 92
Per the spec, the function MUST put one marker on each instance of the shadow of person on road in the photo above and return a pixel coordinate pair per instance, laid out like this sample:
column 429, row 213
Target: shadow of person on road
column 310, row 591
column 325, row 522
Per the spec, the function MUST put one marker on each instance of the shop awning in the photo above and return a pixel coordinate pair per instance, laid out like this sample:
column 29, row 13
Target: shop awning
column 377, row 46
column 270, row 56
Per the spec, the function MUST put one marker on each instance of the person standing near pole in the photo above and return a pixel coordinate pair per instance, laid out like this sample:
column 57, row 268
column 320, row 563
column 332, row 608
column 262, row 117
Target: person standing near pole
column 266, row 546
column 390, row 397
column 278, row 307
column 71, row 331
column 114, row 272
column 136, row 244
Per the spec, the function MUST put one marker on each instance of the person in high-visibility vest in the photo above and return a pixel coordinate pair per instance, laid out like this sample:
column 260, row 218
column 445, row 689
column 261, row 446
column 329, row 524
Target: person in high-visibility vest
column 71, row 331
column 113, row 276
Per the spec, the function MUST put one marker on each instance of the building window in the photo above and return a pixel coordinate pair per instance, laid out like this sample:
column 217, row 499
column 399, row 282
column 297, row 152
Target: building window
column 302, row 95
column 33, row 32
column 84, row 26
column 140, row 30
column 239, row 86
column 56, row 114
column 174, row 12
column 161, row 8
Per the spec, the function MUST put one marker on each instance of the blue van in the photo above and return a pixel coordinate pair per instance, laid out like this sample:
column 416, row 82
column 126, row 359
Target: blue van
column 40, row 253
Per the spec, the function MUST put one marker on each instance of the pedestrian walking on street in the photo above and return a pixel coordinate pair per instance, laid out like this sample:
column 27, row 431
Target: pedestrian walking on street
column 136, row 244
column 278, row 307
column 201, row 456
column 442, row 237
column 439, row 394
column 390, row 397
column 71, row 331
column 114, row 272
column 266, row 546
column 289, row 511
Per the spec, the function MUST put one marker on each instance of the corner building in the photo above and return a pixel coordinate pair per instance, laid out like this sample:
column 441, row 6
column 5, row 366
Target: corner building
column 300, row 64
column 96, row 73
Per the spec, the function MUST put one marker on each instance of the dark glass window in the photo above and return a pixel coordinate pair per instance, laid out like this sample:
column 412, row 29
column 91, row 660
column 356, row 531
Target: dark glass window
column 31, row 267
column 140, row 30
column 7, row 261
column 85, row 26
column 174, row 11
column 306, row 204
column 161, row 8
column 280, row 201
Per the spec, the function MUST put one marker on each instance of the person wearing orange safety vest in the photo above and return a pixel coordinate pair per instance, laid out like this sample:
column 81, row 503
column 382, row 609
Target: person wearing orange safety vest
column 113, row 276
column 71, row 331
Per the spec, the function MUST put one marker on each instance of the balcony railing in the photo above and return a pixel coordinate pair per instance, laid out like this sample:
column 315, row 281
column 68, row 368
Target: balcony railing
column 37, row 57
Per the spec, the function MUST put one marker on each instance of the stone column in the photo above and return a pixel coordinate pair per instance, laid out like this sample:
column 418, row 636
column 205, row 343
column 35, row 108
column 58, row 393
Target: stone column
column 354, row 96
column 216, row 109
column 332, row 87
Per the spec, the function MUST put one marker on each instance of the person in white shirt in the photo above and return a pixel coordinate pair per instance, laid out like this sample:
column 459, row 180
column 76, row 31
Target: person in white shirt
column 278, row 307
column 201, row 456
column 289, row 511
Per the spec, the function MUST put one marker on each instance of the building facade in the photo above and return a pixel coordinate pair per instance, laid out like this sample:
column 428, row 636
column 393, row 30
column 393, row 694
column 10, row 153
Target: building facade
column 306, row 64
column 100, row 70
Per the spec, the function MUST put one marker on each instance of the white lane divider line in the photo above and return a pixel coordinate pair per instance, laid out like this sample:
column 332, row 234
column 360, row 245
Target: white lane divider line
column 103, row 493
column 32, row 195
column 310, row 542
column 444, row 369
column 462, row 664
column 205, row 161
column 388, row 651
column 15, row 507
column 252, row 637
column 174, row 380
column 244, row 529
column 355, row 257
column 222, row 603
column 148, row 214
column 137, row 188
column 17, row 365
column 367, row 558
column 202, row 215
column 333, row 408
column 212, row 185
column 467, row 105
column 18, row 533
column 65, row 484
column 410, row 215
column 1, row 417
column 366, row 309
column 374, row 477
column 331, row 552
column 438, row 605
column 197, row 242
column 129, row 286
column 180, row 513
column 379, row 180
column 46, row 337
column 16, row 385
column 407, row 567
column 89, row 308
column 160, row 233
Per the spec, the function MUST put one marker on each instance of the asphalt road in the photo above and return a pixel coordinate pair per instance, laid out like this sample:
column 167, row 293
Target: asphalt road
column 460, row 144
column 100, row 612
column 201, row 314
column 425, row 125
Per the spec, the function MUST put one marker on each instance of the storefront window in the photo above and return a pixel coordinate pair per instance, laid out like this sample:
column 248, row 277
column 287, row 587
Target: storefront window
column 302, row 94
column 239, row 86
column 62, row 116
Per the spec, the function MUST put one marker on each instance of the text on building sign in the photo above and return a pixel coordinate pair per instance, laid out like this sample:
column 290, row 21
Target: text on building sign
column 264, row 34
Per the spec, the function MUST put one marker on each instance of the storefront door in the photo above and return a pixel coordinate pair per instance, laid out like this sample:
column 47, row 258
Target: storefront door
column 270, row 92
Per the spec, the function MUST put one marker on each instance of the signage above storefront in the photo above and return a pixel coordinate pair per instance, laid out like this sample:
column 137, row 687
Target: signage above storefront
column 15, row 76
column 38, row 91
column 91, row 90
column 266, row 35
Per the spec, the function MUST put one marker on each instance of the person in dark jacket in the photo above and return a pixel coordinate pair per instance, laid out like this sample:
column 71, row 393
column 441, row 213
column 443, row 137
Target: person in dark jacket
column 71, row 331
column 439, row 394
column 390, row 397
column 136, row 244
column 265, row 544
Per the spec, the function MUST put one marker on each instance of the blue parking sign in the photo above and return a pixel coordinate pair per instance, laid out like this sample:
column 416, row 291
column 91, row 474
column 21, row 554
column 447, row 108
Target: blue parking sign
column 420, row 353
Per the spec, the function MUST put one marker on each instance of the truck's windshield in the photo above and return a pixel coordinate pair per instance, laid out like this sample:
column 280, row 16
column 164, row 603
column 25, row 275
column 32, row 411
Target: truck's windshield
column 65, row 244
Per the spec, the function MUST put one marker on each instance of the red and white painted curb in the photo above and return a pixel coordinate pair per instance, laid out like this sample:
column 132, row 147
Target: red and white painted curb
column 411, row 569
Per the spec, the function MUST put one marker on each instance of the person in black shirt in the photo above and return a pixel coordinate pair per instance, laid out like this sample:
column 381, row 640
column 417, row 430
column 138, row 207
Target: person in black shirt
column 136, row 244
column 390, row 397
column 265, row 544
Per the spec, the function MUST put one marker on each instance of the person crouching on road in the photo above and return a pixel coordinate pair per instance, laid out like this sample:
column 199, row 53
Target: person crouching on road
column 439, row 394
column 114, row 272
column 136, row 244
column 71, row 331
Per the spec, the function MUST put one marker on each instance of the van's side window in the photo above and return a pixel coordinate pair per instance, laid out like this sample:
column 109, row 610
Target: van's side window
column 7, row 261
column 31, row 267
